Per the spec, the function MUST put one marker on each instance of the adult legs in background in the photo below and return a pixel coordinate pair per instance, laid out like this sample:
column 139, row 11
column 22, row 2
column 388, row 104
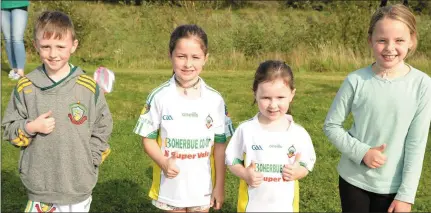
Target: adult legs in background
column 14, row 22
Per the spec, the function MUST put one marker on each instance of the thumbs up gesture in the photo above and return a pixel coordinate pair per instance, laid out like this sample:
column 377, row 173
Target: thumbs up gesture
column 43, row 124
column 170, row 168
column 252, row 177
column 374, row 158
column 294, row 171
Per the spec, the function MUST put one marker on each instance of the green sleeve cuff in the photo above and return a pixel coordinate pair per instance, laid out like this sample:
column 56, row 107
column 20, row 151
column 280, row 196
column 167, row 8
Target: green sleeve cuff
column 220, row 138
column 237, row 161
column 153, row 135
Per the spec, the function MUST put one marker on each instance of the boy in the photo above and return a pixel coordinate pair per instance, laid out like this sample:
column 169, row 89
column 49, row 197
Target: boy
column 60, row 119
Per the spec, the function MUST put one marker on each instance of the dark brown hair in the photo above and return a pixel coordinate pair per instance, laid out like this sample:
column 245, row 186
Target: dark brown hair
column 188, row 31
column 53, row 23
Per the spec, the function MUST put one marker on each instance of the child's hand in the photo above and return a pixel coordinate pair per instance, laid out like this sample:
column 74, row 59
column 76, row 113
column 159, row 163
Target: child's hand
column 43, row 124
column 169, row 167
column 217, row 198
column 253, row 178
column 294, row 171
column 400, row 206
column 374, row 158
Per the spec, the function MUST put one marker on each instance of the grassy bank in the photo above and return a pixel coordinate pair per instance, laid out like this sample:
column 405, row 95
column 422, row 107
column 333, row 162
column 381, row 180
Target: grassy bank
column 330, row 40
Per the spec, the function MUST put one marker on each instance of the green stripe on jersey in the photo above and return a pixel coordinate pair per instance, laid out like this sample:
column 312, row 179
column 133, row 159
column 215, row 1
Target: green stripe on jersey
column 155, row 91
column 138, row 127
column 231, row 129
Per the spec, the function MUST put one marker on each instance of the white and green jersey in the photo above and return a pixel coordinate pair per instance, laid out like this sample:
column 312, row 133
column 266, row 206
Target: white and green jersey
column 187, row 128
column 270, row 151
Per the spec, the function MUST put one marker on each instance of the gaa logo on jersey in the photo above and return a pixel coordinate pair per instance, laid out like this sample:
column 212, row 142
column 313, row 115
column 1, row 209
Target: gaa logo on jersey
column 291, row 151
column 209, row 121
column 256, row 147
column 77, row 113
column 167, row 118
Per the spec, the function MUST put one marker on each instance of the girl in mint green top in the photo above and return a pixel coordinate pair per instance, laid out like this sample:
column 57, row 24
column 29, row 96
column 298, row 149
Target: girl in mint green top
column 383, row 151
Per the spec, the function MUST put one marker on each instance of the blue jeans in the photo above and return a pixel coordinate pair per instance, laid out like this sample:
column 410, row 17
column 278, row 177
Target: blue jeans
column 13, row 23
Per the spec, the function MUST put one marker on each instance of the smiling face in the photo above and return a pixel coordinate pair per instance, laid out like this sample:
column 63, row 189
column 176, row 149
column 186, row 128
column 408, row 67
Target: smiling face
column 188, row 59
column 54, row 52
column 273, row 99
column 390, row 42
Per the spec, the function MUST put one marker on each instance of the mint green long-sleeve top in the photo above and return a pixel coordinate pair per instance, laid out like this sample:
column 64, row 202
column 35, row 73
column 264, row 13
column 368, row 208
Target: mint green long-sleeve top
column 396, row 112
column 10, row 4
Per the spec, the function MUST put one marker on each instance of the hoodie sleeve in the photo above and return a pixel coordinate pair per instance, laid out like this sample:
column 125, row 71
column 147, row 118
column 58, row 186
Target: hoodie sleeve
column 16, row 117
column 101, row 131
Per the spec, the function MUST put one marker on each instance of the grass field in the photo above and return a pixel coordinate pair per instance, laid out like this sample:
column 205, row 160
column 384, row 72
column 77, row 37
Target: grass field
column 125, row 177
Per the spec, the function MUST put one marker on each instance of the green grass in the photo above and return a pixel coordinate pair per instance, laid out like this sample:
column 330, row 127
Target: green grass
column 125, row 176
column 331, row 40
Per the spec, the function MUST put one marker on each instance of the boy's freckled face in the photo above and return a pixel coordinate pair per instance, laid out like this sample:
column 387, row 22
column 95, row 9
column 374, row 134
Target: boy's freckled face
column 54, row 52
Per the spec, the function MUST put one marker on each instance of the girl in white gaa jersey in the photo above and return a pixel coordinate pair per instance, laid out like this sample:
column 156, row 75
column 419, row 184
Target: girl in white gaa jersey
column 184, row 126
column 270, row 152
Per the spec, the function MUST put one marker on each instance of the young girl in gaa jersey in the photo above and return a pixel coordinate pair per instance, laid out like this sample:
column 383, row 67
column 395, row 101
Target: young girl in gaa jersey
column 270, row 152
column 184, row 126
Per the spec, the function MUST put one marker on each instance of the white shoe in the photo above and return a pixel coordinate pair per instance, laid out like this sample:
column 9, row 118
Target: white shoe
column 11, row 74
column 15, row 76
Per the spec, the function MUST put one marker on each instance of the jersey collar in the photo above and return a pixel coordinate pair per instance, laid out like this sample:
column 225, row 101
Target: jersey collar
column 203, row 85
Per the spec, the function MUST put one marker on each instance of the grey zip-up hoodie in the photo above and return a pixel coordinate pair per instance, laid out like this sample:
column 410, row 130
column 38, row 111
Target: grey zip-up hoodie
column 60, row 167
